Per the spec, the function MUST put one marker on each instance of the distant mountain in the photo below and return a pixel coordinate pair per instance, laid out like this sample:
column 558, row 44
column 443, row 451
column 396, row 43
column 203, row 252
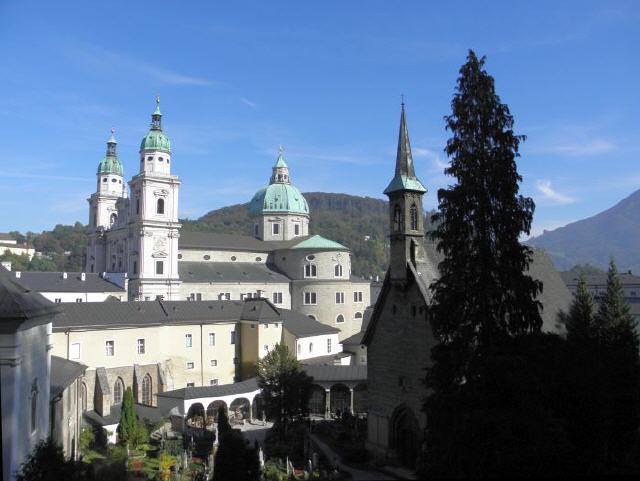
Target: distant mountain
column 612, row 233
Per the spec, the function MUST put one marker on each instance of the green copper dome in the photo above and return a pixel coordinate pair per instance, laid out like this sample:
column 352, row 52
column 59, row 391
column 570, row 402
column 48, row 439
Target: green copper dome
column 111, row 164
column 156, row 139
column 278, row 198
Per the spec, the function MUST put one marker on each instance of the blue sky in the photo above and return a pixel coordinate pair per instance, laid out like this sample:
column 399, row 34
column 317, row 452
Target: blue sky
column 324, row 79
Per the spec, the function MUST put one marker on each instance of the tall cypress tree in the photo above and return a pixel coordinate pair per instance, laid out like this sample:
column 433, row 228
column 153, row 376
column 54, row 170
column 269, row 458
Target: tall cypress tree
column 483, row 294
column 580, row 319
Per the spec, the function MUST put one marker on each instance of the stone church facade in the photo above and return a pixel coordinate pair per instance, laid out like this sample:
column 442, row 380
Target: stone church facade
column 399, row 337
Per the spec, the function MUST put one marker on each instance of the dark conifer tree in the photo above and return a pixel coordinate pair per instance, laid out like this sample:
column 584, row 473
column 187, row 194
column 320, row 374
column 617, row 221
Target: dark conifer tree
column 483, row 294
column 579, row 322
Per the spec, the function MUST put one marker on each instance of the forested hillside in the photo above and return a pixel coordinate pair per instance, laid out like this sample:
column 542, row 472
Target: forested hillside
column 360, row 223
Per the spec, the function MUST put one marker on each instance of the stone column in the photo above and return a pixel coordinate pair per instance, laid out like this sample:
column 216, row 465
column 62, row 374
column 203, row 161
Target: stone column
column 351, row 400
column 327, row 403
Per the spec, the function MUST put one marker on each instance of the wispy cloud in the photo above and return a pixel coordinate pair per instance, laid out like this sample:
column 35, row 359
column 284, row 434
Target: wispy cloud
column 248, row 103
column 592, row 147
column 548, row 193
column 102, row 59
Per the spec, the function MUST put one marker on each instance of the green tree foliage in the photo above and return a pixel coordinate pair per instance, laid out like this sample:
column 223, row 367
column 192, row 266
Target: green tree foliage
column 131, row 431
column 586, row 269
column 223, row 421
column 605, row 375
column 483, row 301
column 285, row 389
column 235, row 459
column 47, row 463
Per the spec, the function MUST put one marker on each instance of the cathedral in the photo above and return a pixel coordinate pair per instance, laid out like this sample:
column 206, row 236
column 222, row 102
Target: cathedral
column 135, row 241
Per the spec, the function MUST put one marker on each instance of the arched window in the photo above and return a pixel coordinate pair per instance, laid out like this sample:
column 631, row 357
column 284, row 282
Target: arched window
column 113, row 219
column 358, row 315
column 34, row 407
column 160, row 208
column 337, row 270
column 414, row 217
column 146, row 390
column 340, row 318
column 397, row 218
column 83, row 394
column 118, row 391
column 310, row 346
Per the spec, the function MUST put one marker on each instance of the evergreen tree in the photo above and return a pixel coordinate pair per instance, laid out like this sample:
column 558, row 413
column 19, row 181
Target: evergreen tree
column 284, row 387
column 223, row 421
column 47, row 463
column 579, row 322
column 131, row 431
column 483, row 294
column 483, row 301
column 235, row 460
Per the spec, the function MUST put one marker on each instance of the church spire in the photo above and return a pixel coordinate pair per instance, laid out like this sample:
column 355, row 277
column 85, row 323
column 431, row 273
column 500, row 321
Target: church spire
column 405, row 175
column 156, row 117
column 111, row 145
column 280, row 171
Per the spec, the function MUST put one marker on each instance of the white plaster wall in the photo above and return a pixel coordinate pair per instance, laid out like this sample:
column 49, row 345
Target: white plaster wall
column 26, row 362
column 211, row 290
column 287, row 229
column 292, row 263
column 197, row 255
column 85, row 296
column 319, row 346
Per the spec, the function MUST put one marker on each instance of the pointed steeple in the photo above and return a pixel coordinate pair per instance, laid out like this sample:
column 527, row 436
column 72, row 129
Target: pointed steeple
column 280, row 171
column 405, row 175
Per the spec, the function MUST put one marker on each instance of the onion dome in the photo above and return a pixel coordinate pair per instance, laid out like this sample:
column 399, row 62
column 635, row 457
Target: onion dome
column 111, row 164
column 156, row 139
column 280, row 196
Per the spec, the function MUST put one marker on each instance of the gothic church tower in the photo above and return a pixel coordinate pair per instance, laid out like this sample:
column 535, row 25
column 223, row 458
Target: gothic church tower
column 153, row 216
column 103, row 211
column 405, row 193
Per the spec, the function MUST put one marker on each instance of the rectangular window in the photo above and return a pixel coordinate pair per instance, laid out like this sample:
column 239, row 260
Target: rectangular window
column 159, row 267
column 277, row 297
column 296, row 229
column 310, row 270
column 310, row 298
column 79, row 299
column 233, row 337
column 190, row 365
column 191, row 384
column 74, row 351
column 58, row 300
column 224, row 296
column 213, row 382
column 329, row 346
column 188, row 340
column 213, row 363
column 337, row 270
column 212, row 338
column 339, row 297
column 275, row 229
column 140, row 346
column 357, row 296
column 109, row 347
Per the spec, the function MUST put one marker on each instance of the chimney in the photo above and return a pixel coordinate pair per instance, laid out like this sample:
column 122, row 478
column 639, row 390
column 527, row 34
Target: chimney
column 83, row 276
column 18, row 273
column 6, row 265
column 64, row 275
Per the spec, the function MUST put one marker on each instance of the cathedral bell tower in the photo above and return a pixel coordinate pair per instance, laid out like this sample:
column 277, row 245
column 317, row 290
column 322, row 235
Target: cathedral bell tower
column 405, row 193
column 153, row 217
column 103, row 210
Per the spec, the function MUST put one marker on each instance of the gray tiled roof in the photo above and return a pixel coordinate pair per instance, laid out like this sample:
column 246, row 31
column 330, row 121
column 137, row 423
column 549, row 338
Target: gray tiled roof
column 228, row 272
column 100, row 315
column 242, row 387
column 19, row 304
column 328, row 360
column 336, row 373
column 355, row 339
column 303, row 326
column 5, row 237
column 231, row 242
column 54, row 282
column 63, row 373
column 102, row 380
